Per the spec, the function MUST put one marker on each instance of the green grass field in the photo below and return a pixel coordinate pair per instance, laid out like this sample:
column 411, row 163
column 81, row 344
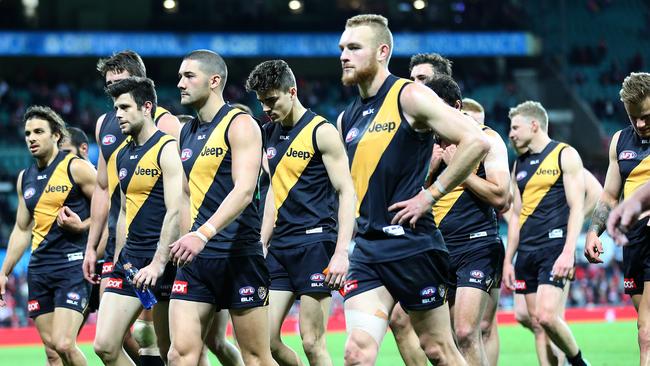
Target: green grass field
column 602, row 343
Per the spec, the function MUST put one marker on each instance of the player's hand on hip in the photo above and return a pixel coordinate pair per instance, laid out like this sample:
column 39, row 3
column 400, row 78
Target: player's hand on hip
column 3, row 286
column 593, row 248
column 622, row 218
column 337, row 270
column 185, row 249
column 509, row 276
column 88, row 266
column 68, row 220
column 563, row 266
column 147, row 276
column 411, row 210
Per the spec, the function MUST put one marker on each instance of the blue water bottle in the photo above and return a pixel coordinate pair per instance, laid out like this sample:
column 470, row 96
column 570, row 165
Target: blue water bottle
column 147, row 298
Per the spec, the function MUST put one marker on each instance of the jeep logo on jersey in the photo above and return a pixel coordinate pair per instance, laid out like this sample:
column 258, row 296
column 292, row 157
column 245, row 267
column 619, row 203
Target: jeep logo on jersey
column 521, row 175
column 627, row 155
column 29, row 193
column 380, row 127
column 476, row 274
column 246, row 291
column 179, row 287
column 352, row 134
column 216, row 151
column 428, row 292
column 33, row 306
column 186, row 154
column 109, row 140
column 271, row 152
column 152, row 172
column 547, row 172
column 317, row 277
column 304, row 155
column 122, row 174
column 60, row 188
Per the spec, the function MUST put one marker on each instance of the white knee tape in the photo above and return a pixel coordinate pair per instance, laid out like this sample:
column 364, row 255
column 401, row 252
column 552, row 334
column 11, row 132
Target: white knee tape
column 371, row 324
column 144, row 333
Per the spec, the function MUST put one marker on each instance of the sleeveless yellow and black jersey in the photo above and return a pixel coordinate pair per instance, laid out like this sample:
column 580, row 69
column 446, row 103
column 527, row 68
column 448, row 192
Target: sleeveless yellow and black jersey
column 544, row 209
column 464, row 219
column 304, row 196
column 207, row 162
column 141, row 182
column 111, row 140
column 633, row 157
column 388, row 162
column 45, row 192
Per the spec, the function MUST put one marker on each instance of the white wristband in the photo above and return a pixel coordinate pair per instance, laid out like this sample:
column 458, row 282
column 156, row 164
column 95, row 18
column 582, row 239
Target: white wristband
column 439, row 187
column 200, row 236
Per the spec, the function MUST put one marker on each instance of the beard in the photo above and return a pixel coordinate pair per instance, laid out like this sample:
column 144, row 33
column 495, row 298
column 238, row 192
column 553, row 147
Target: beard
column 360, row 75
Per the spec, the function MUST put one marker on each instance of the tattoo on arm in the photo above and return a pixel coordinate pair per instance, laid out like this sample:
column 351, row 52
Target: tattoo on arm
column 599, row 218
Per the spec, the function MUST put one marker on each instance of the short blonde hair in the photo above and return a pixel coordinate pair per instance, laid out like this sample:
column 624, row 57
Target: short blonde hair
column 531, row 109
column 379, row 24
column 635, row 88
column 471, row 105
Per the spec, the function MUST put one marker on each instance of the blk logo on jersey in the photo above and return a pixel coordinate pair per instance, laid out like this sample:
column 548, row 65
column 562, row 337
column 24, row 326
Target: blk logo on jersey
column 382, row 127
column 29, row 193
column 108, row 140
column 627, row 155
column 317, row 280
column 352, row 134
column 246, row 293
column 179, row 287
column 304, row 155
column 186, row 154
column 33, row 305
column 122, row 174
column 59, row 188
column 477, row 276
column 271, row 152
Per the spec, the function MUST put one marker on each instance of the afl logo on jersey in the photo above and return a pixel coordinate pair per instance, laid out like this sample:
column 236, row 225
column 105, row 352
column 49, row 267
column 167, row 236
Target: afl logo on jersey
column 29, row 193
column 186, row 154
column 109, row 140
column 271, row 152
column 352, row 135
column 521, row 175
column 627, row 155
column 122, row 174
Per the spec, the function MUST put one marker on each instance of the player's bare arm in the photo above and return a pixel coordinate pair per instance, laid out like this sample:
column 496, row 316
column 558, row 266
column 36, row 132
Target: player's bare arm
column 18, row 240
column 169, row 124
column 336, row 162
column 607, row 200
column 574, row 189
column 424, row 110
column 268, row 216
column 513, row 235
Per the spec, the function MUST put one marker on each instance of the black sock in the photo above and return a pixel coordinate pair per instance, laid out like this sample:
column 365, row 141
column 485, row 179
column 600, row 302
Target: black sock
column 576, row 360
column 151, row 361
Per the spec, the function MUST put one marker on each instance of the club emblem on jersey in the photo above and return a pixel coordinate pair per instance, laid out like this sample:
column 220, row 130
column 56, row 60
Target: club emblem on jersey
column 122, row 174
column 271, row 152
column 29, row 193
column 186, row 154
column 109, row 140
column 261, row 292
column 352, row 134
column 627, row 155
column 521, row 175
